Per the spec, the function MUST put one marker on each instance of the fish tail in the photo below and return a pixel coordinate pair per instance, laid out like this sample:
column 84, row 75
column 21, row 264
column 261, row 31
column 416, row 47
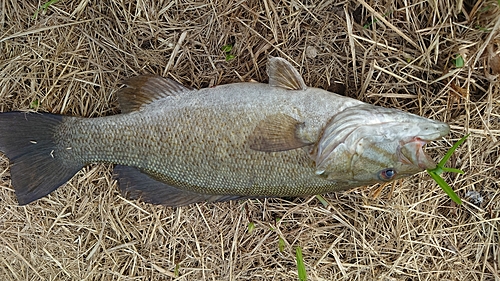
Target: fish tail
column 28, row 140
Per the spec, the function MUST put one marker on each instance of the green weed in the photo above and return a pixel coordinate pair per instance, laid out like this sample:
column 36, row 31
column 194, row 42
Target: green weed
column 440, row 168
column 300, row 264
column 227, row 50
column 44, row 7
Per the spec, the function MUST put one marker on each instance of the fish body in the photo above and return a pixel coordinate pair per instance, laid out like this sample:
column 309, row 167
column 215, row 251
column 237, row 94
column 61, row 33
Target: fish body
column 175, row 146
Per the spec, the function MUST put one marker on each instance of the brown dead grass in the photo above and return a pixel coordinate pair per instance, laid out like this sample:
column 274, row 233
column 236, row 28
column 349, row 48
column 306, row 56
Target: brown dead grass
column 72, row 56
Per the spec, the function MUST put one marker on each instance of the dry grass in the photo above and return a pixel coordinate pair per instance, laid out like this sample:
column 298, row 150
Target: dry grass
column 71, row 57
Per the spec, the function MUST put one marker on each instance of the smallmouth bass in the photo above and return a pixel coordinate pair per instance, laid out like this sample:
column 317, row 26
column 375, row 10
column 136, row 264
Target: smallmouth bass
column 175, row 146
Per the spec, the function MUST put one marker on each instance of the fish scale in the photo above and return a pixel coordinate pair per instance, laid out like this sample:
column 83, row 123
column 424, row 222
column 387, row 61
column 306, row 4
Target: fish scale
column 175, row 146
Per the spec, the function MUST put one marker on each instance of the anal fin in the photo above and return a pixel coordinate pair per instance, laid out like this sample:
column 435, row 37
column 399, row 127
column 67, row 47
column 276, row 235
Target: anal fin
column 136, row 184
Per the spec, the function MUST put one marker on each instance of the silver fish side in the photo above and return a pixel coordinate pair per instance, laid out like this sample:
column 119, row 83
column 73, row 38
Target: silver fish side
column 200, row 143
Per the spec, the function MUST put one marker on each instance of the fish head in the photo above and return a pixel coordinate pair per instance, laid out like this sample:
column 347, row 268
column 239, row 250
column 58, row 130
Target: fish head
column 367, row 144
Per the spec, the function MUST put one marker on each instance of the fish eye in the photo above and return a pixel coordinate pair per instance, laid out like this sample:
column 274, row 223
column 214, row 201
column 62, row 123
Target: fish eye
column 387, row 174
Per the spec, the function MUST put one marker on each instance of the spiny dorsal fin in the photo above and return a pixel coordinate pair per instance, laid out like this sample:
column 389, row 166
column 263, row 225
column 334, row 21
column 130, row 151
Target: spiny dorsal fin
column 282, row 74
column 145, row 89
column 277, row 132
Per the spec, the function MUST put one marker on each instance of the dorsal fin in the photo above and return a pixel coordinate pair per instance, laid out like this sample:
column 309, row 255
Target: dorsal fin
column 278, row 132
column 282, row 74
column 145, row 89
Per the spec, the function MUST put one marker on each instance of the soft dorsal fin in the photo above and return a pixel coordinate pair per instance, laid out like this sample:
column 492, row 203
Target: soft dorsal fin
column 282, row 74
column 145, row 89
column 277, row 132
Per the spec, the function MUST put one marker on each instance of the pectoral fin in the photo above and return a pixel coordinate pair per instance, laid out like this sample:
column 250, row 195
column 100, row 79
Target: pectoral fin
column 277, row 133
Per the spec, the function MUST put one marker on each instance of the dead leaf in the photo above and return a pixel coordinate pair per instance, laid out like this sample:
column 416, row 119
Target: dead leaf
column 458, row 93
column 494, row 58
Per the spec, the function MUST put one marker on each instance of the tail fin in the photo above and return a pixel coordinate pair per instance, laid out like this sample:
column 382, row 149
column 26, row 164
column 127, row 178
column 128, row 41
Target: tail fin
column 27, row 139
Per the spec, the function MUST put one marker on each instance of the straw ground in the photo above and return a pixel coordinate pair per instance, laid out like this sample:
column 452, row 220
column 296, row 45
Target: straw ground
column 439, row 59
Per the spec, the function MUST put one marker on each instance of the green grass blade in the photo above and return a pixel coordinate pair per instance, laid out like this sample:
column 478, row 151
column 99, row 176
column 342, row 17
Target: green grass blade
column 176, row 270
column 446, row 188
column 440, row 168
column 44, row 7
column 459, row 61
column 453, row 170
column 300, row 264
column 451, row 151
column 322, row 200
column 47, row 5
column 251, row 227
column 281, row 244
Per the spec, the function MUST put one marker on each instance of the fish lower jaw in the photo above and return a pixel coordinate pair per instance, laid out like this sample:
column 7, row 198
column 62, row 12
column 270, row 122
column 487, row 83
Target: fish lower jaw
column 412, row 153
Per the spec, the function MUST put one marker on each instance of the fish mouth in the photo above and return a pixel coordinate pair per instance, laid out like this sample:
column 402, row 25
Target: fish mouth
column 412, row 151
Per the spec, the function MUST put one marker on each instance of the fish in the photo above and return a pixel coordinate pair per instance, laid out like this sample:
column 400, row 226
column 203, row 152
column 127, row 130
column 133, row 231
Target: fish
column 173, row 145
